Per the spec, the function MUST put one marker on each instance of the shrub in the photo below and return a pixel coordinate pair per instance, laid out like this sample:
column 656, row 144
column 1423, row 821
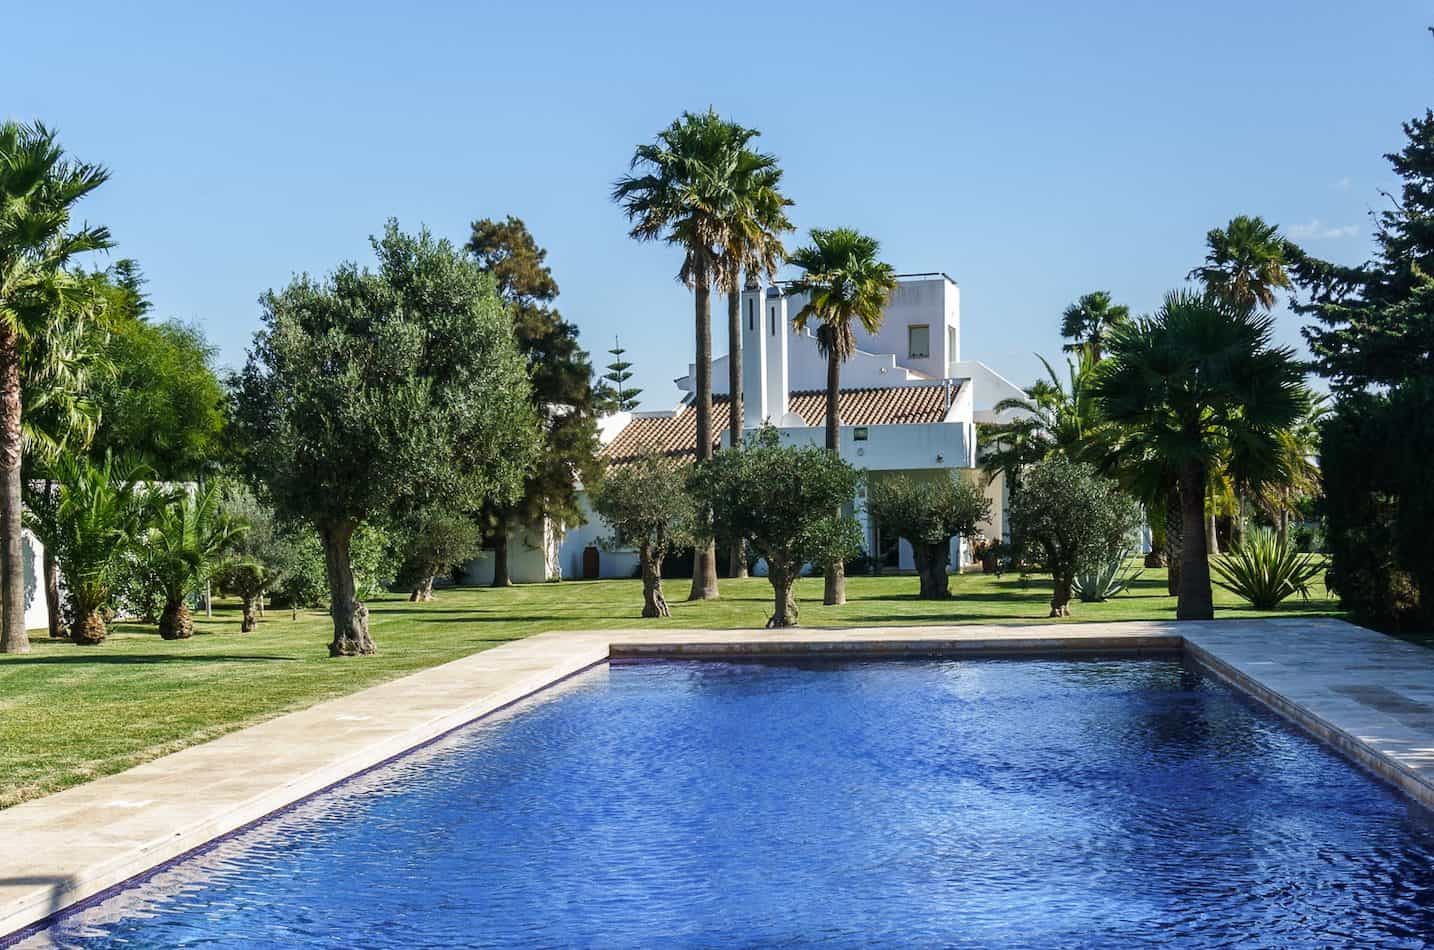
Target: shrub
column 928, row 513
column 1067, row 517
column 781, row 501
column 1264, row 569
column 1105, row 580
column 646, row 507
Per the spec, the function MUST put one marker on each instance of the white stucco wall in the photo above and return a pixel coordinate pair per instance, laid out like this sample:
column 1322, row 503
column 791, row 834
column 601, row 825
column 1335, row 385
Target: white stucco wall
column 36, row 615
column 596, row 532
column 532, row 558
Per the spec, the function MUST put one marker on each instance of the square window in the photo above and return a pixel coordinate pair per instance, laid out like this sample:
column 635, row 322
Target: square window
column 918, row 341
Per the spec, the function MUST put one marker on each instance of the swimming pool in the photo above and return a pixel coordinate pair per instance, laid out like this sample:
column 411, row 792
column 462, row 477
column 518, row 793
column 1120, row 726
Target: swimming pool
column 911, row 803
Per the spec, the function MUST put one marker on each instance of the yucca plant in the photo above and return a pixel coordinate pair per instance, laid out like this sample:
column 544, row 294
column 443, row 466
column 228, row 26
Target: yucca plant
column 184, row 548
column 1265, row 569
column 99, row 514
column 1106, row 580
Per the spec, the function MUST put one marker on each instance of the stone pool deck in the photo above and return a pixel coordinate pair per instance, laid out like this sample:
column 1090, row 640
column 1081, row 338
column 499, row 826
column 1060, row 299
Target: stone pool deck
column 1368, row 695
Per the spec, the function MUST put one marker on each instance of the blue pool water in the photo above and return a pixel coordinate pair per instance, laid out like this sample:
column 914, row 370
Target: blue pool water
column 911, row 803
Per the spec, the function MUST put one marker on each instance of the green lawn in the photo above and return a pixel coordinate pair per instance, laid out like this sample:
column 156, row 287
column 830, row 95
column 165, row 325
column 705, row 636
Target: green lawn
column 69, row 714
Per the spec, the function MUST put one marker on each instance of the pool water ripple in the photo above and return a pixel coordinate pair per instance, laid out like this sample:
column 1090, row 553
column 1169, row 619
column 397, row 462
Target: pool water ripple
column 898, row 803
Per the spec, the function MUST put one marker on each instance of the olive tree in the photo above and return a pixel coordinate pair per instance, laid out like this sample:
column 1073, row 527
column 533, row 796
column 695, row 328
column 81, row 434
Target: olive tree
column 782, row 501
column 373, row 392
column 1068, row 517
column 646, row 506
column 433, row 540
column 928, row 513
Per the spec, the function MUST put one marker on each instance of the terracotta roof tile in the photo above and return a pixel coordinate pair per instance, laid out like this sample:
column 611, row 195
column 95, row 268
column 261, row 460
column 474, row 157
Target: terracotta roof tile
column 675, row 436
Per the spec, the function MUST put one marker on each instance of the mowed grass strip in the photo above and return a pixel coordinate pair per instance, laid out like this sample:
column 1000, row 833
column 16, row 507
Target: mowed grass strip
column 69, row 714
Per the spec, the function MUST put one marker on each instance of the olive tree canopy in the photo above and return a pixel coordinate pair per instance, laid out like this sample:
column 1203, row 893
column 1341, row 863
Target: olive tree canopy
column 373, row 392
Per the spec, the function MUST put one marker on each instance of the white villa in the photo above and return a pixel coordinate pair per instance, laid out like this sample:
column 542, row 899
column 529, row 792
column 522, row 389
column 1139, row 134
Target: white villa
column 909, row 403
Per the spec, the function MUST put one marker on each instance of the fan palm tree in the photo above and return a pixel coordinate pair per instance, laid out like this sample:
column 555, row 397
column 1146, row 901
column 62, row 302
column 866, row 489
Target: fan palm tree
column 1198, row 382
column 1089, row 321
column 1245, row 263
column 39, row 189
column 698, row 186
column 57, row 371
column 754, row 249
column 844, row 282
column 184, row 549
column 1298, row 468
column 99, row 513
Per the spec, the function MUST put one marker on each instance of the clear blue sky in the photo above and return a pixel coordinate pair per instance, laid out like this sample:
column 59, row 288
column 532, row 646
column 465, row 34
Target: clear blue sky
column 1033, row 151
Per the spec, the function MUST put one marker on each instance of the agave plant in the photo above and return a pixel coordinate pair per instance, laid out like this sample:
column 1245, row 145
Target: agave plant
column 184, row 548
column 1265, row 569
column 1105, row 580
column 98, row 514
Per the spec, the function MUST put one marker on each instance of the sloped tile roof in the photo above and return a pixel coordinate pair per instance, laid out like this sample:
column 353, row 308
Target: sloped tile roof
column 675, row 436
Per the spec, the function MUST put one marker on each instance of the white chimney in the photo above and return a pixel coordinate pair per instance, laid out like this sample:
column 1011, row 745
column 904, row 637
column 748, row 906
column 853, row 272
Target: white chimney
column 765, row 332
column 778, row 332
column 754, row 359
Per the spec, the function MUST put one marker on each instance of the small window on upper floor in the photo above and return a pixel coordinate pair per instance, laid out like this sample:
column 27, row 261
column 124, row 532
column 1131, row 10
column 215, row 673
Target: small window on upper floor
column 918, row 341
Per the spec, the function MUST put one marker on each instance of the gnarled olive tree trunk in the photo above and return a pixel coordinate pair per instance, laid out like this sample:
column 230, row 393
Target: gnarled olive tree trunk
column 501, row 575
column 784, row 611
column 350, row 616
column 654, row 604
column 13, row 638
column 247, row 621
column 423, row 589
column 1061, row 594
column 1196, row 599
column 175, row 623
column 931, row 562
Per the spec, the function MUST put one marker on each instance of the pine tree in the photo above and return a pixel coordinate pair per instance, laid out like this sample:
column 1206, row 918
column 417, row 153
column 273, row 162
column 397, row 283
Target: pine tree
column 562, row 385
column 612, row 393
column 1375, row 343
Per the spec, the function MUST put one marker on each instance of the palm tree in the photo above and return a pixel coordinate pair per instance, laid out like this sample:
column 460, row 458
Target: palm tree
column 57, row 370
column 99, row 512
column 844, row 282
column 184, row 549
column 39, row 189
column 1198, row 382
column 1061, row 416
column 1245, row 263
column 1088, row 322
column 700, row 188
column 754, row 249
column 1299, row 473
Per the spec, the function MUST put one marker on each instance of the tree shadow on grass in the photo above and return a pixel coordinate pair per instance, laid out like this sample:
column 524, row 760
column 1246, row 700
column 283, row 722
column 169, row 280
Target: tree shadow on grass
column 129, row 659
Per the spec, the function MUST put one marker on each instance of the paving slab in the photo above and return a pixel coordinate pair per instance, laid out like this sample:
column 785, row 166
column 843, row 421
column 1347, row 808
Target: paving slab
column 1367, row 695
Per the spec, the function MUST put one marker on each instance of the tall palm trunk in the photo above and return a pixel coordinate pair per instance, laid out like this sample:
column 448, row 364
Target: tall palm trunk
column 350, row 616
column 13, row 638
column 1174, row 540
column 738, row 564
column 1196, row 600
column 704, row 560
column 834, row 589
column 54, row 613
